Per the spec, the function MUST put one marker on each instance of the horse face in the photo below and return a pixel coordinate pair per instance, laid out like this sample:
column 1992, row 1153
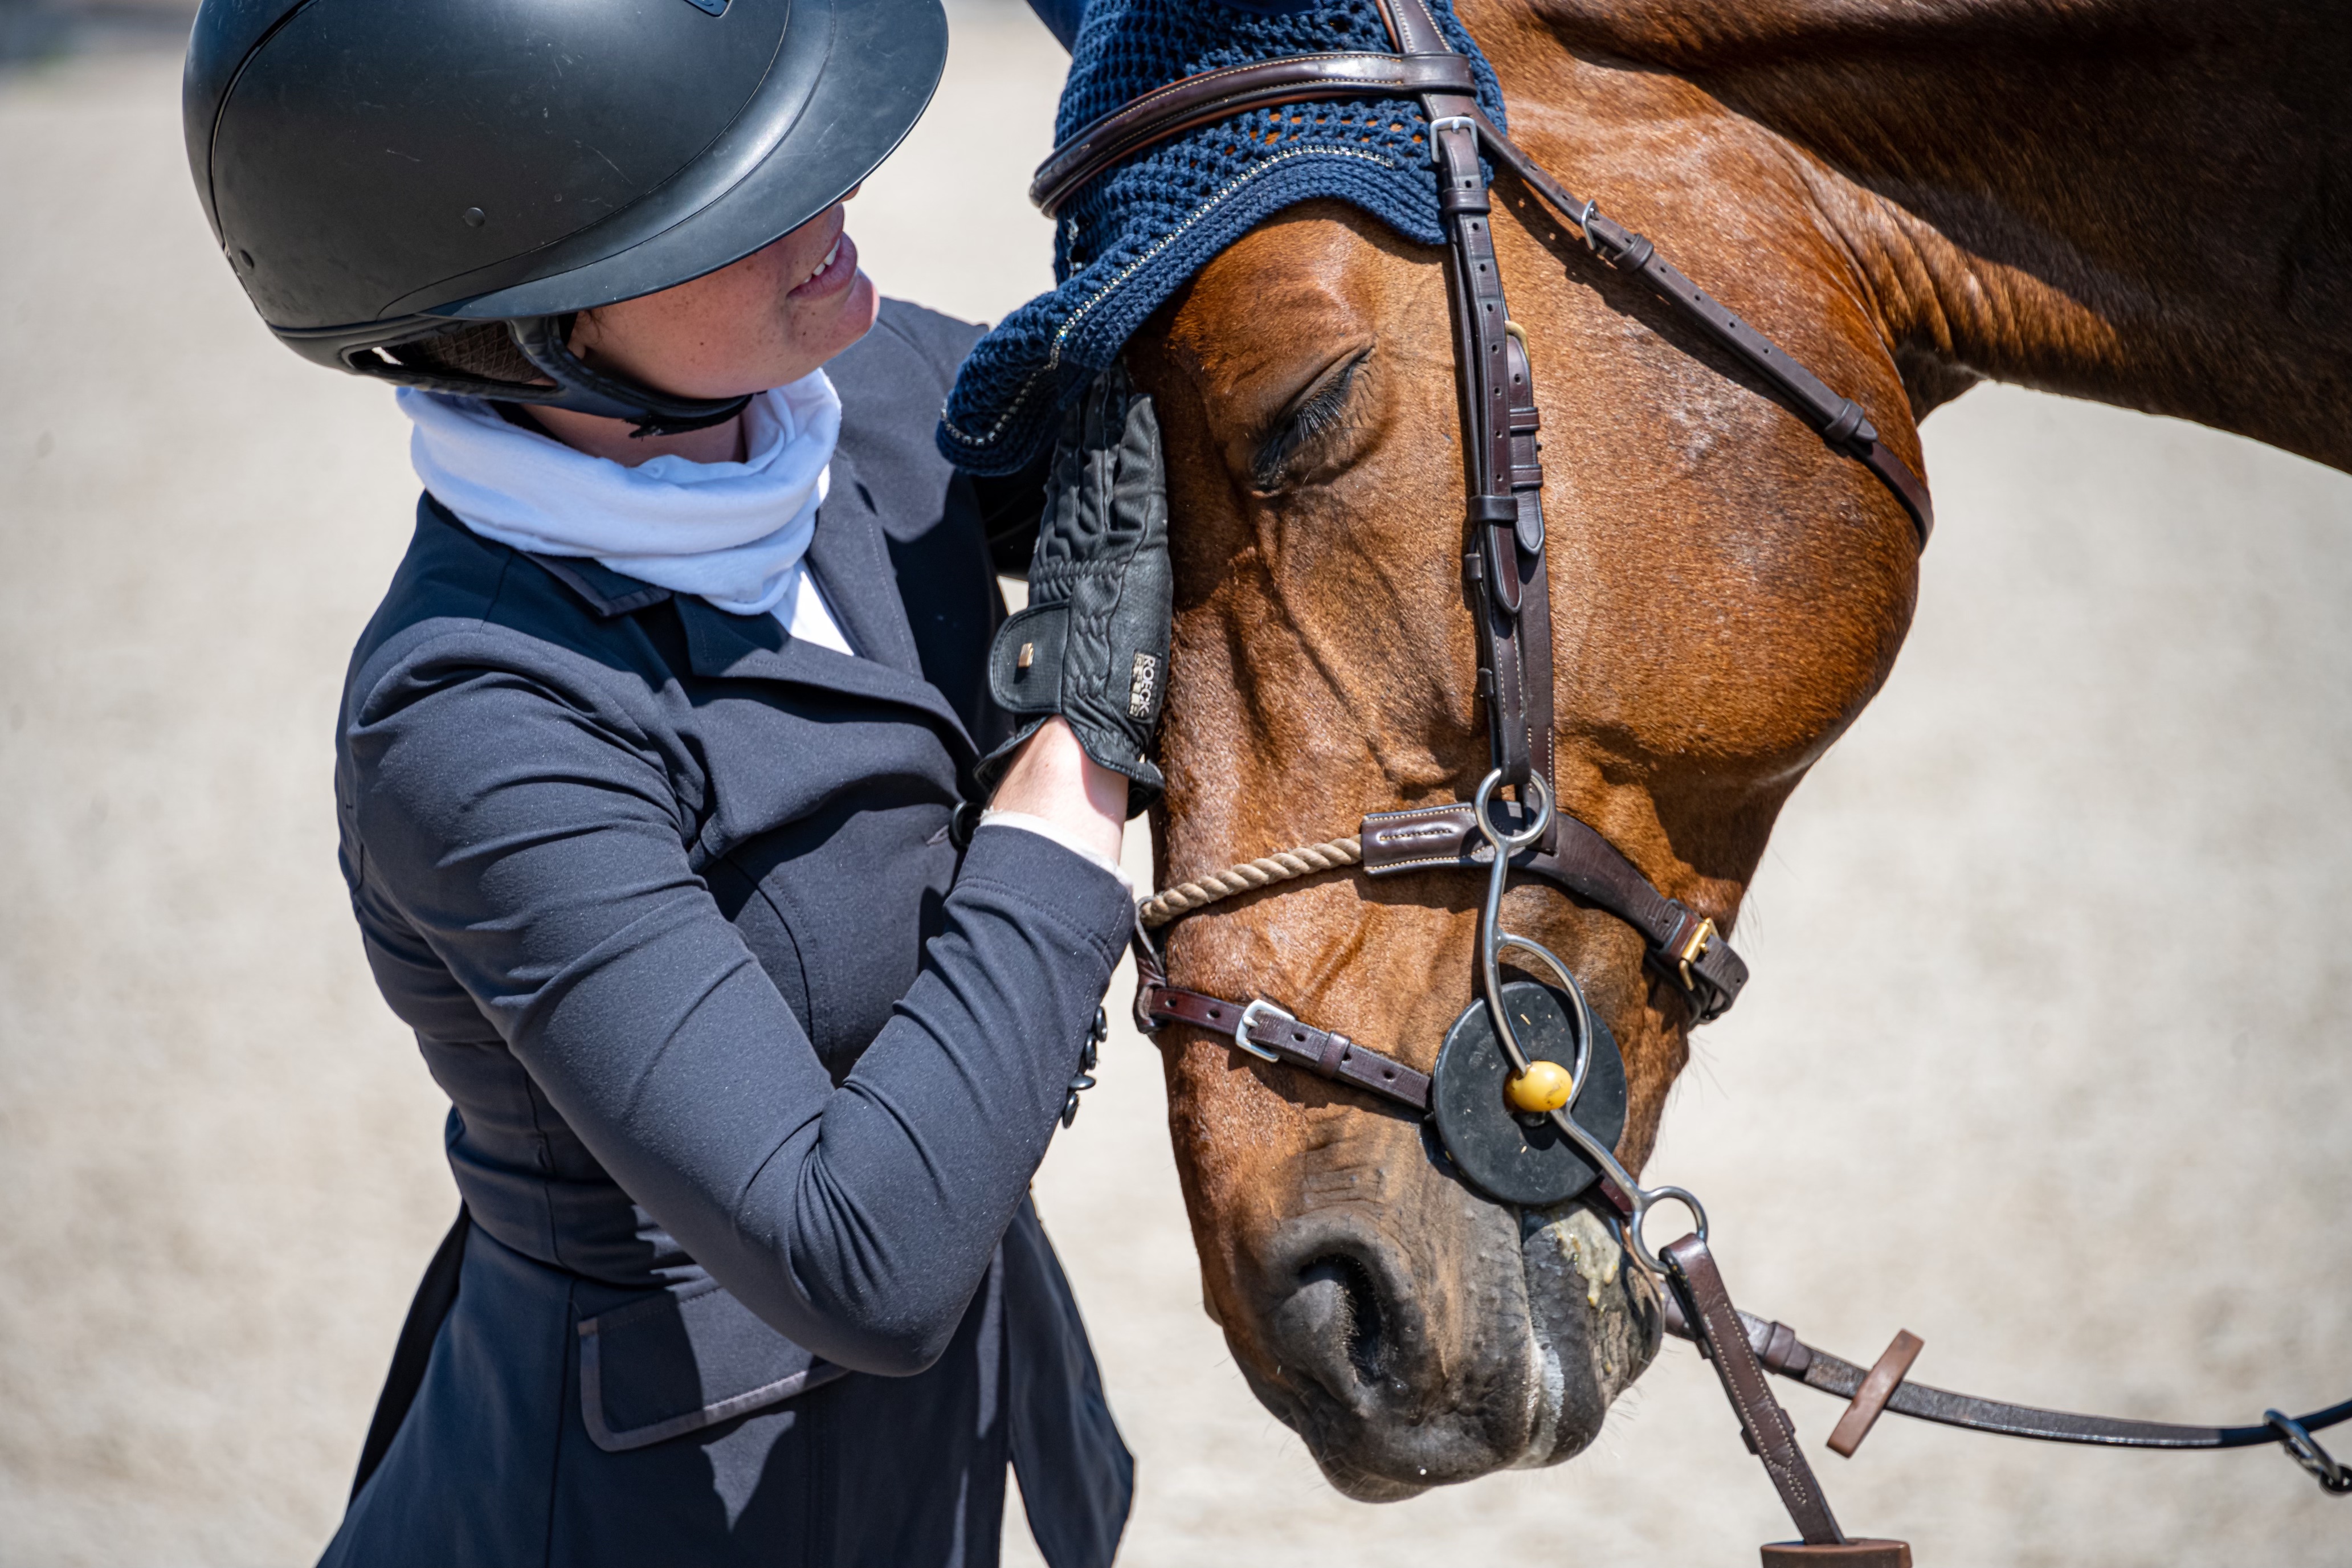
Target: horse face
column 1727, row 595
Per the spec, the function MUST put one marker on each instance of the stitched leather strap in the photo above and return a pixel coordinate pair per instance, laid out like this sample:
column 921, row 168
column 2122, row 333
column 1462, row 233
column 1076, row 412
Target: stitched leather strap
column 1778, row 1349
column 1324, row 1052
column 1707, row 1307
column 1504, row 568
column 1524, row 476
column 1838, row 420
column 1682, row 945
column 1173, row 110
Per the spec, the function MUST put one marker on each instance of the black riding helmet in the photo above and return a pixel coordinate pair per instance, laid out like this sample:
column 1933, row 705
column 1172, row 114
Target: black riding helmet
column 428, row 191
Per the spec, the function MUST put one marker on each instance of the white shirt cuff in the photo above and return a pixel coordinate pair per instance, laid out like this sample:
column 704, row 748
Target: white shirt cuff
column 1045, row 829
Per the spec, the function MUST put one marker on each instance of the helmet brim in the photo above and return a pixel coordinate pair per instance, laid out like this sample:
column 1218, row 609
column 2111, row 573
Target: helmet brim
column 851, row 81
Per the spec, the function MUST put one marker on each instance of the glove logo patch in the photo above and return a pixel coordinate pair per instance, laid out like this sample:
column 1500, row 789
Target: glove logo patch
column 1142, row 686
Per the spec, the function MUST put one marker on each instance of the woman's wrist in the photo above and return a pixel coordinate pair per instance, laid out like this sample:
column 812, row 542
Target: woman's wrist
column 1053, row 778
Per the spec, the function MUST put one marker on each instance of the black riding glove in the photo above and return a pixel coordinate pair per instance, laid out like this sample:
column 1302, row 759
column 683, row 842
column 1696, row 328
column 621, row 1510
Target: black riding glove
column 1092, row 644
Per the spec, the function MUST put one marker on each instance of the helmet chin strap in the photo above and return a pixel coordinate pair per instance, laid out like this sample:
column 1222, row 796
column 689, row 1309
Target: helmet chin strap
column 541, row 341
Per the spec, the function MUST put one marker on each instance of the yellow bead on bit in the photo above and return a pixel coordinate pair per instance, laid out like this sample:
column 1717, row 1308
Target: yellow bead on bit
column 1543, row 1087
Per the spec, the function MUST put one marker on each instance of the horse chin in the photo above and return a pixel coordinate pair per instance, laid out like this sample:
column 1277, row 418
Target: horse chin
column 1516, row 1370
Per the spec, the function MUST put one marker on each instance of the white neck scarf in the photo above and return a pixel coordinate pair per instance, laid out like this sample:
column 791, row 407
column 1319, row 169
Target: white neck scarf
column 732, row 533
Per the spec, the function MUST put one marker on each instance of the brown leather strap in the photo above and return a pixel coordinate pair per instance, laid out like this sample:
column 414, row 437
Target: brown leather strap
column 1526, row 492
column 1885, row 1377
column 1838, row 420
column 1325, row 1052
column 1722, row 1337
column 1173, row 110
column 1412, row 28
column 1854, row 1553
column 1515, row 672
column 1683, row 944
column 1505, row 540
column 1778, row 1347
column 1506, row 567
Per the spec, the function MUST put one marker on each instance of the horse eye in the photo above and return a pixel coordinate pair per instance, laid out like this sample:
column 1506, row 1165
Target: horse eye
column 1316, row 411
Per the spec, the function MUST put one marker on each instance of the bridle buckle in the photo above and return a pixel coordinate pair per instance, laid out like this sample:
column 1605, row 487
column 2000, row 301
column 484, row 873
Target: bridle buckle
column 1241, row 1027
column 1702, row 937
column 1450, row 123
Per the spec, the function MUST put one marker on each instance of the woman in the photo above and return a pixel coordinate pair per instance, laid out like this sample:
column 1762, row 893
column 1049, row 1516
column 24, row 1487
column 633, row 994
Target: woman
column 656, row 775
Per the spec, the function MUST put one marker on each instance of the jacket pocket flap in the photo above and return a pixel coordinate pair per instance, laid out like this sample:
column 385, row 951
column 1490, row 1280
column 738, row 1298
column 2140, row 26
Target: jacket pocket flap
column 682, row 1360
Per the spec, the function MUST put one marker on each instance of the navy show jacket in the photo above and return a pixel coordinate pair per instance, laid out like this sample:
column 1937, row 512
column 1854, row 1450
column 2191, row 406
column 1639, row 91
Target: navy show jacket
column 749, row 1065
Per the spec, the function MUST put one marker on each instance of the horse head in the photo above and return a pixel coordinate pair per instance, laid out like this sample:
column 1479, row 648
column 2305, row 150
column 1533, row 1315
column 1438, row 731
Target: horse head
column 1726, row 593
column 1725, row 596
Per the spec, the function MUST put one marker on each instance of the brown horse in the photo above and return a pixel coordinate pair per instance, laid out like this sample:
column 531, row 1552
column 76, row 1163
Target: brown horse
column 2145, row 202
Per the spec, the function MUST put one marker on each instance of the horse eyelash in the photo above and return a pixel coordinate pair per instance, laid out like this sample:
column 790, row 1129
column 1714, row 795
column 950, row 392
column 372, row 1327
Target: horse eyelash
column 1318, row 416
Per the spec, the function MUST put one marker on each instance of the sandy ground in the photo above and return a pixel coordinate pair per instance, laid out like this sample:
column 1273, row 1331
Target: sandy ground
column 2042, row 1060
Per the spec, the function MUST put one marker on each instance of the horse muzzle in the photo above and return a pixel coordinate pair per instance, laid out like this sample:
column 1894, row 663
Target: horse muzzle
column 1432, row 1341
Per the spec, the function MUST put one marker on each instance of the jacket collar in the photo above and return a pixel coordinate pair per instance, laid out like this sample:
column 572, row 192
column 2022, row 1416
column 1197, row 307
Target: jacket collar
column 848, row 553
column 720, row 646
column 851, row 559
column 608, row 592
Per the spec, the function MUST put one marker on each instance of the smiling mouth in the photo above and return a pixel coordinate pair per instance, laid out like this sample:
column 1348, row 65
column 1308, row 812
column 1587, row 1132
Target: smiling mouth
column 838, row 266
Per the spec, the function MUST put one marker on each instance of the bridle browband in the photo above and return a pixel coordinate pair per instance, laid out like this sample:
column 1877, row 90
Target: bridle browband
column 1504, row 569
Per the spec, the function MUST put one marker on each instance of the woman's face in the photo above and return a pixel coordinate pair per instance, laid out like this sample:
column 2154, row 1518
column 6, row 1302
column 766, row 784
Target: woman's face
column 767, row 320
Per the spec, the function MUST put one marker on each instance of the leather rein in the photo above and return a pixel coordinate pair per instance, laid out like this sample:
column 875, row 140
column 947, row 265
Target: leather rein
column 1505, row 573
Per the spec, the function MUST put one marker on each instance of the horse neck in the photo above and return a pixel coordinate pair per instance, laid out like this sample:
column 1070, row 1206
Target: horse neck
column 2143, row 202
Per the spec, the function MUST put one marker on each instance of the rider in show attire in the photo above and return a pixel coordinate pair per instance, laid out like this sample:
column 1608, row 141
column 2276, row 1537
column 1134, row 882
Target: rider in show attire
column 659, row 774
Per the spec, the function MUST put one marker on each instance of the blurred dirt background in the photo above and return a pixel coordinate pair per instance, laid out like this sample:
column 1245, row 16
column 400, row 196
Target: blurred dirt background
column 2044, row 1059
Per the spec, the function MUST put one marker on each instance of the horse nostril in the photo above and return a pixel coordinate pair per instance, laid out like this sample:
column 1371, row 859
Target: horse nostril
column 1356, row 1321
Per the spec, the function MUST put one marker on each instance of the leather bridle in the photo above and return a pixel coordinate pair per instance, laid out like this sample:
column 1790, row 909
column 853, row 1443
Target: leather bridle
column 1505, row 572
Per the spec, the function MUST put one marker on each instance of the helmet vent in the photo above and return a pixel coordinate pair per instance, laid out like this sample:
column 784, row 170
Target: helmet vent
column 481, row 352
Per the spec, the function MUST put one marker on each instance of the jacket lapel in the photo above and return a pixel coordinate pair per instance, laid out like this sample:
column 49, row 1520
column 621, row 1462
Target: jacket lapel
column 852, row 562
column 721, row 647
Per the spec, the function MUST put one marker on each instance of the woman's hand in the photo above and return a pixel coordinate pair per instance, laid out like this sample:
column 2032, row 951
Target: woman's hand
column 1090, row 653
column 1052, row 777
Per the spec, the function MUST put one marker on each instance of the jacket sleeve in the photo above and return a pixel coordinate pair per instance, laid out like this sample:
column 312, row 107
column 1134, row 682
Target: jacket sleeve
column 529, row 834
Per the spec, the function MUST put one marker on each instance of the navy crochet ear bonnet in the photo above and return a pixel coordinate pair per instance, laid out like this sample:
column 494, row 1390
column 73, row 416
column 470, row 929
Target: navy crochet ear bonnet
column 1133, row 236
